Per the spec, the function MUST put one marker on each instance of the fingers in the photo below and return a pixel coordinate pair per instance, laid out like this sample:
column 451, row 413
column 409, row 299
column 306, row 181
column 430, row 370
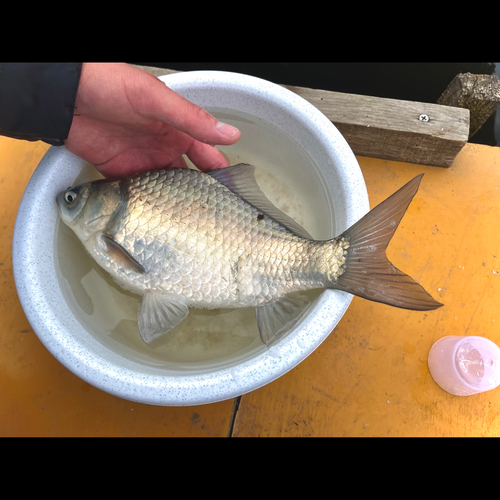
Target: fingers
column 124, row 94
column 131, row 121
column 178, row 163
column 196, row 122
column 206, row 157
column 163, row 104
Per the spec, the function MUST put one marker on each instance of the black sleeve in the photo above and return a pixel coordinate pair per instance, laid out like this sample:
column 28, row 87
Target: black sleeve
column 37, row 100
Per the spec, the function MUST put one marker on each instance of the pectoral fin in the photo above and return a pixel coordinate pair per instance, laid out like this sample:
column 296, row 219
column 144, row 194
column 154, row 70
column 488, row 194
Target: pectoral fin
column 120, row 255
column 158, row 314
column 276, row 318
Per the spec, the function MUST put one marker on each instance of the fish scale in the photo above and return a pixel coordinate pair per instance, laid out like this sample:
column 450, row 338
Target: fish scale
column 196, row 216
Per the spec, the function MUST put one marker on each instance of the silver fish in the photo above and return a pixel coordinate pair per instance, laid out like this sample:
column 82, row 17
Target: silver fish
column 183, row 238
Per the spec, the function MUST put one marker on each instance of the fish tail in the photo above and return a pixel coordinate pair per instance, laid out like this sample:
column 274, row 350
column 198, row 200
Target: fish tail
column 368, row 273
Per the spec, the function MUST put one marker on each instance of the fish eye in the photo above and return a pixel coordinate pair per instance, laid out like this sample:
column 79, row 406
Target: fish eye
column 70, row 195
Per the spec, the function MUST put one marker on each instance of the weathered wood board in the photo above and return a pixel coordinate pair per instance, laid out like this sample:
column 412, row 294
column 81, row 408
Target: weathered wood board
column 480, row 94
column 391, row 129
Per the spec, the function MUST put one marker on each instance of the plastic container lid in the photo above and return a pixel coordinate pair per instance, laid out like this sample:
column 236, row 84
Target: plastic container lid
column 465, row 365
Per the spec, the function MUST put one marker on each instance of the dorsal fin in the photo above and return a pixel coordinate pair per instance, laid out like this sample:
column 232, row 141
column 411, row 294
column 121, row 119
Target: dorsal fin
column 240, row 179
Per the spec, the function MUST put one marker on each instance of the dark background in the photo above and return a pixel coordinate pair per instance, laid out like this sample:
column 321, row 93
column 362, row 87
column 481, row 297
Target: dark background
column 415, row 81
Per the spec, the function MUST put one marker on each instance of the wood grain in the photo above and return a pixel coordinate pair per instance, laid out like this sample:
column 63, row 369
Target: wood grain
column 480, row 94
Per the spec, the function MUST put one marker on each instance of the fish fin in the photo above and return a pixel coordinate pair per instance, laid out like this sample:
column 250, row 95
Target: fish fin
column 240, row 179
column 120, row 255
column 158, row 314
column 276, row 318
column 368, row 273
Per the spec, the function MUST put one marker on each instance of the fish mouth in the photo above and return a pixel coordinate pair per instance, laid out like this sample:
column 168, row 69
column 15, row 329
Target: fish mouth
column 60, row 201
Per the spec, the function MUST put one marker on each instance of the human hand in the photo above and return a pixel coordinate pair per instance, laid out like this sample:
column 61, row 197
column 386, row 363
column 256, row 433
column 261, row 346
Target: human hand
column 127, row 121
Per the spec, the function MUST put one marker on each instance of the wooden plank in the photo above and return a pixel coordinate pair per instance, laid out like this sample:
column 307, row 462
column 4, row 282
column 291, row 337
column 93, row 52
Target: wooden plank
column 391, row 129
column 480, row 94
column 156, row 71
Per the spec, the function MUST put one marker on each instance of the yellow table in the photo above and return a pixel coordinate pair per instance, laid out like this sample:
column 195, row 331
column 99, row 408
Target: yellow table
column 369, row 378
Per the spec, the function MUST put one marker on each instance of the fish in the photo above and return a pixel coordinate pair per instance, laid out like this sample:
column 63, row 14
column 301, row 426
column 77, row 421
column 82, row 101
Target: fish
column 182, row 238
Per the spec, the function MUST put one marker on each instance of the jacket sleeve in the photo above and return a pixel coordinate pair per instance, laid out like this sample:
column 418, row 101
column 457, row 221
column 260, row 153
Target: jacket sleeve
column 37, row 100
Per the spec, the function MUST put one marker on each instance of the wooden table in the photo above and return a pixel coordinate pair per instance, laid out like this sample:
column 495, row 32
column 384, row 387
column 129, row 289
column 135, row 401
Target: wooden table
column 369, row 378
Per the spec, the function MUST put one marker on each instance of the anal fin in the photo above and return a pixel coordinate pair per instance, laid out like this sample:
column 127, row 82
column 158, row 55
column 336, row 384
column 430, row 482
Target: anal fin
column 276, row 318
